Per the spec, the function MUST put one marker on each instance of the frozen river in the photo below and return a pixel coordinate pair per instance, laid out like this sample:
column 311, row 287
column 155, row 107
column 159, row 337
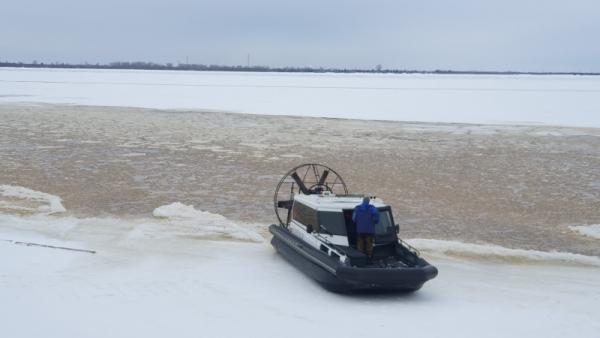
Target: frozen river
column 166, row 179
column 516, row 186
column 503, row 99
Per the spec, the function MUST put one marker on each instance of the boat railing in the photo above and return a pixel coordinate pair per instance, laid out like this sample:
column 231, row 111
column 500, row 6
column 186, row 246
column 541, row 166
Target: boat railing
column 409, row 247
column 331, row 246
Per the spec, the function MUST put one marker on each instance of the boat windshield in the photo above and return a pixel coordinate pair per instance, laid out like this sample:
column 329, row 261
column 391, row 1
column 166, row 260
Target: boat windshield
column 385, row 225
column 385, row 230
column 335, row 224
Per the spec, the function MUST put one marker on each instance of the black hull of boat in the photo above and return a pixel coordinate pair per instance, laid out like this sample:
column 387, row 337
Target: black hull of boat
column 334, row 276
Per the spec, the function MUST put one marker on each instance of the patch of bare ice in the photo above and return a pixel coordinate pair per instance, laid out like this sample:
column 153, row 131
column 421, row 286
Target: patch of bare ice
column 188, row 221
column 490, row 251
column 587, row 230
column 133, row 154
column 49, row 147
column 20, row 199
column 214, row 149
column 255, row 145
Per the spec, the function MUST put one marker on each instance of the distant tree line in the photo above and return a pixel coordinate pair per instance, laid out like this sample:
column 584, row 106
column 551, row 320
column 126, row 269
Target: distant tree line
column 203, row 67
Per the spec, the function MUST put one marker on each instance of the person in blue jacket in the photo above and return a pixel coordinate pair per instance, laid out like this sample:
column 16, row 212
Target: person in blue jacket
column 365, row 216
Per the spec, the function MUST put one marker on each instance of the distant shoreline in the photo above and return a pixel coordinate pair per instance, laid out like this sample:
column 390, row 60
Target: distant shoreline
column 267, row 69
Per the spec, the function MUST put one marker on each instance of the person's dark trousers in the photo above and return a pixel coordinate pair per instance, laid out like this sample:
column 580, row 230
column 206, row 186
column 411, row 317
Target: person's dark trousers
column 364, row 243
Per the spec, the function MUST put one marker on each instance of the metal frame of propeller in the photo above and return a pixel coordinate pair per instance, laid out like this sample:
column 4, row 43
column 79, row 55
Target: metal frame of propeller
column 315, row 180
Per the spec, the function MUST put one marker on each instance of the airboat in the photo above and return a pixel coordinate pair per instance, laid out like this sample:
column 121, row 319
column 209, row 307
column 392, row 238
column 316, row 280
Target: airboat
column 316, row 234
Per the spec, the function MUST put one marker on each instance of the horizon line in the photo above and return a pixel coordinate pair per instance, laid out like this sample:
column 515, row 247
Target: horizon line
column 145, row 65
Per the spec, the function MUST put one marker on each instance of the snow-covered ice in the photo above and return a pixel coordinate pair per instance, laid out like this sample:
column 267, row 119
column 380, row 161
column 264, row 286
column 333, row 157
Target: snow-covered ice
column 499, row 253
column 174, row 279
column 135, row 185
column 194, row 288
column 206, row 224
column 503, row 99
column 35, row 201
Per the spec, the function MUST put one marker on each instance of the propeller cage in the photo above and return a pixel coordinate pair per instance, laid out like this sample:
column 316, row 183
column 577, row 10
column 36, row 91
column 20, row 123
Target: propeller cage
column 306, row 179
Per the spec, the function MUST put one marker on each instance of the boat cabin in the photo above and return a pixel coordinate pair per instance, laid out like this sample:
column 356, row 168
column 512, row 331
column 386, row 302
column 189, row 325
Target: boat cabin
column 328, row 218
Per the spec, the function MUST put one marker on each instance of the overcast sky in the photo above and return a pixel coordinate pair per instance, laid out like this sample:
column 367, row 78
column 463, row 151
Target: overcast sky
column 522, row 35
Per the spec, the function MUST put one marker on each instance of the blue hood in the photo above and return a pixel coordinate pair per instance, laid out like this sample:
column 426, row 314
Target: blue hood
column 365, row 216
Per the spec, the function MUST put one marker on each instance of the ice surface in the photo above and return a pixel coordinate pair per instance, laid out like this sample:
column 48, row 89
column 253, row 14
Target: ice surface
column 496, row 252
column 26, row 209
column 158, row 271
column 132, row 231
column 505, row 99
column 505, row 185
column 587, row 230
column 226, row 289
column 164, row 273
column 29, row 201
column 205, row 224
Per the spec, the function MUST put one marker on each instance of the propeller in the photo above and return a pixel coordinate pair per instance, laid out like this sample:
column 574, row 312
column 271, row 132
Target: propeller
column 310, row 178
column 300, row 184
column 323, row 177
